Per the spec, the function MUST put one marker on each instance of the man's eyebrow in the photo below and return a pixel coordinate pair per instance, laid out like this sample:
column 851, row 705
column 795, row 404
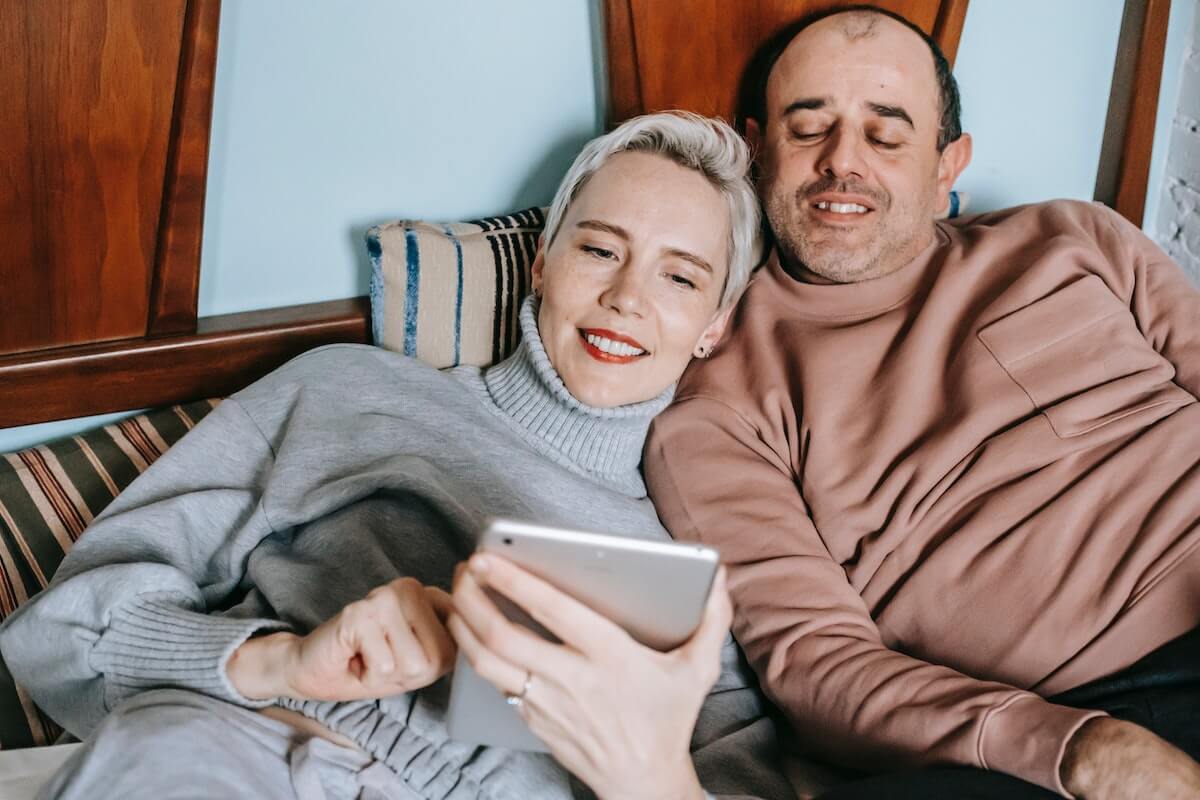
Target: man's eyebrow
column 894, row 112
column 618, row 231
column 806, row 104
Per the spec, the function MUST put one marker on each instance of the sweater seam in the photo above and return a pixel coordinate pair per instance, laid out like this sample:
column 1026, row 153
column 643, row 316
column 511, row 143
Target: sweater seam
column 262, row 501
column 987, row 718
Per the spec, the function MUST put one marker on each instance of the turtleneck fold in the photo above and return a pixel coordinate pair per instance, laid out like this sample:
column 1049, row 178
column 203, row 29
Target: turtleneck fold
column 526, row 390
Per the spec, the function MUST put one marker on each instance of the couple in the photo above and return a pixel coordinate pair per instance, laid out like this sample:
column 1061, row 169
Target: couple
column 953, row 472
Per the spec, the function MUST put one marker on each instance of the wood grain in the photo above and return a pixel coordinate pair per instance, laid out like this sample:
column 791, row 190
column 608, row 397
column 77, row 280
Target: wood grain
column 88, row 88
column 225, row 354
column 1133, row 174
column 175, row 289
column 692, row 53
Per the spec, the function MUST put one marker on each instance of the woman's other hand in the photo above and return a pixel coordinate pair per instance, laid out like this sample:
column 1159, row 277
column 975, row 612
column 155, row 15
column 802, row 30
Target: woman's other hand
column 615, row 713
column 393, row 640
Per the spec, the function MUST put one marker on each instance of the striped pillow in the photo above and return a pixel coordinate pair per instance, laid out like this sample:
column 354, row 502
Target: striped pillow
column 48, row 495
column 449, row 293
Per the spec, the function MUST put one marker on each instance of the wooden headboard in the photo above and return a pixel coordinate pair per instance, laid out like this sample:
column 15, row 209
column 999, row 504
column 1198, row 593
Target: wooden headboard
column 107, row 154
column 693, row 55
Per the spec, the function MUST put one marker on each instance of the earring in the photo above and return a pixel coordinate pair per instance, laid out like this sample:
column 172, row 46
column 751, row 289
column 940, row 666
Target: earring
column 702, row 352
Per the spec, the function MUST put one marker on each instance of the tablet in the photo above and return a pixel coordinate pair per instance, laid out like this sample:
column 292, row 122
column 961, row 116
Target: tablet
column 655, row 590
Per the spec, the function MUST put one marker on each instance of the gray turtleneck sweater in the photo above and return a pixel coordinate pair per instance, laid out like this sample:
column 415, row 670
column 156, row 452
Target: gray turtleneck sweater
column 346, row 468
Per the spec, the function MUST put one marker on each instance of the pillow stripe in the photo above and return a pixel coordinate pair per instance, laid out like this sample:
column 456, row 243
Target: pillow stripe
column 63, row 519
column 499, row 303
column 458, row 293
column 411, row 292
column 510, row 312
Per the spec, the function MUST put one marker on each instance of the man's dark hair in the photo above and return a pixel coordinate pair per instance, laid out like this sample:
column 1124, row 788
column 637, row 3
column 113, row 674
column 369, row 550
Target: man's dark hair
column 752, row 95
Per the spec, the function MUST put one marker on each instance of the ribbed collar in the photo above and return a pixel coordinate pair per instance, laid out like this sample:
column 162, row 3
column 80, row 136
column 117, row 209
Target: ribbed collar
column 602, row 443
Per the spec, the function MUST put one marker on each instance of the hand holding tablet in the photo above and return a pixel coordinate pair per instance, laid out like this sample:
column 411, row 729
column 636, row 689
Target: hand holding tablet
column 634, row 646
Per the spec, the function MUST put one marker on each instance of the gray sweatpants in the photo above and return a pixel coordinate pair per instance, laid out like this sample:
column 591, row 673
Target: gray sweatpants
column 169, row 743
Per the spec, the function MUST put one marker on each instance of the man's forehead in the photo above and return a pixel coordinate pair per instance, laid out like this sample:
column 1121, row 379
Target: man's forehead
column 854, row 49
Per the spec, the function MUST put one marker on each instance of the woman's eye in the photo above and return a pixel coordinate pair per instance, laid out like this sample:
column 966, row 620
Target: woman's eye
column 679, row 280
column 598, row 252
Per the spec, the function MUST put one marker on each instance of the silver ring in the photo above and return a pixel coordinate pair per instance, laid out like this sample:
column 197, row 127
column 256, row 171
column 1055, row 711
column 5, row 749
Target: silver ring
column 516, row 700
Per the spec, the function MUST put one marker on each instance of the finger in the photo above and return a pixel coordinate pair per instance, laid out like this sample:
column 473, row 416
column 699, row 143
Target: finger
column 430, row 631
column 441, row 602
column 371, row 643
column 564, row 616
column 515, row 643
column 493, row 668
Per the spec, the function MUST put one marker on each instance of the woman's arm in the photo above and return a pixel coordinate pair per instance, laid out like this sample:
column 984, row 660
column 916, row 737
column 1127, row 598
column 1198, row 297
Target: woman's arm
column 618, row 715
column 128, row 609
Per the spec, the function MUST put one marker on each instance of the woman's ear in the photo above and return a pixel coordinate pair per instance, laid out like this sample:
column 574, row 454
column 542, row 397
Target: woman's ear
column 537, row 271
column 712, row 334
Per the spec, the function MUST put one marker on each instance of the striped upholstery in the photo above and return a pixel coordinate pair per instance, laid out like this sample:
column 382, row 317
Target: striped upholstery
column 449, row 293
column 48, row 495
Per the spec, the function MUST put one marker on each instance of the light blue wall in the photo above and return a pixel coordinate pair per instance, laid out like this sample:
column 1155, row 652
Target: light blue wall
column 1035, row 77
column 331, row 117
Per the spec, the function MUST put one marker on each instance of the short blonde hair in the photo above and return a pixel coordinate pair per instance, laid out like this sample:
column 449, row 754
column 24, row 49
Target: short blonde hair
column 708, row 146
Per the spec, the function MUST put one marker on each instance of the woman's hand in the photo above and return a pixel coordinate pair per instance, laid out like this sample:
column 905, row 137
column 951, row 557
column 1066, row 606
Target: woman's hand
column 617, row 714
column 394, row 640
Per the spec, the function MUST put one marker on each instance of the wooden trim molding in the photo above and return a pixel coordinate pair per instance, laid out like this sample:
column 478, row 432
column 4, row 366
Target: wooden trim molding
column 175, row 288
column 1133, row 174
column 225, row 354
column 947, row 31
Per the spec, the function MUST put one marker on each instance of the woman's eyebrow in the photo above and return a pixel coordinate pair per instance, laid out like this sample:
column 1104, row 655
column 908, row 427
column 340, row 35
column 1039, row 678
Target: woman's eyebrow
column 604, row 227
column 618, row 231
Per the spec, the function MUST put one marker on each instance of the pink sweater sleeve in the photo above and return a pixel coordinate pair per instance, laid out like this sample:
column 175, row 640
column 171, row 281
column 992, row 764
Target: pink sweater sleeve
column 808, row 633
column 1164, row 301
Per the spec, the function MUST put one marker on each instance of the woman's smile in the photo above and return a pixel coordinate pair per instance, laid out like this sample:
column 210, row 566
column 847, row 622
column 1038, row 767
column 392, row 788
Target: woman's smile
column 610, row 347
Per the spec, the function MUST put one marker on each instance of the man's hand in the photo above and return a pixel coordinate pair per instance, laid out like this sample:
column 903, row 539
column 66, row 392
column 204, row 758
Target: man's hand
column 1109, row 758
column 392, row 641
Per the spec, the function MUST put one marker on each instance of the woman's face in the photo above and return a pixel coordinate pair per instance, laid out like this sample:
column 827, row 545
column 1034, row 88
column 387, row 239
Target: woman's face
column 630, row 285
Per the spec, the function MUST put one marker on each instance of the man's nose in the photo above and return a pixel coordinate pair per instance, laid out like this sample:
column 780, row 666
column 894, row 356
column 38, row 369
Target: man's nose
column 626, row 293
column 842, row 156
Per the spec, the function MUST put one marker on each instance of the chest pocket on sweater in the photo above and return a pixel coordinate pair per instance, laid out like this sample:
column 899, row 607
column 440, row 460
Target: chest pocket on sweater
column 1081, row 359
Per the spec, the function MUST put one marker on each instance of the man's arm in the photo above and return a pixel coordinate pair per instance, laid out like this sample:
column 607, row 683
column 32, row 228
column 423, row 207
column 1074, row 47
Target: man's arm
column 808, row 633
column 128, row 608
column 1163, row 300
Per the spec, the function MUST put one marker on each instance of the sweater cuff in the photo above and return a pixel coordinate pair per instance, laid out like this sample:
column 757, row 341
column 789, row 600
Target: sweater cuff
column 1027, row 737
column 154, row 644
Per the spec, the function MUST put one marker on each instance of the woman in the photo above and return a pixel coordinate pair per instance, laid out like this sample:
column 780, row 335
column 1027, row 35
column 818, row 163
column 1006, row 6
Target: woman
column 291, row 554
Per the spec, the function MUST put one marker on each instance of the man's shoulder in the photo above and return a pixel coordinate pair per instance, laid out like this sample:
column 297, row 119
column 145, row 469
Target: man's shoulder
column 1048, row 217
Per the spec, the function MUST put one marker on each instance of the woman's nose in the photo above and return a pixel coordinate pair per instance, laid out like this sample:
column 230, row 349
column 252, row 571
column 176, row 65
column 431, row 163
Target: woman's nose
column 626, row 293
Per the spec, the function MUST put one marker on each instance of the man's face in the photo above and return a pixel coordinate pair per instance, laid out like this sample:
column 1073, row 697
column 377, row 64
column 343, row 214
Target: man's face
column 851, row 174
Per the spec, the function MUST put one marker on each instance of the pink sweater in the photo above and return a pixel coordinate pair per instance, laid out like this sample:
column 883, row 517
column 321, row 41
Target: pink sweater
column 949, row 492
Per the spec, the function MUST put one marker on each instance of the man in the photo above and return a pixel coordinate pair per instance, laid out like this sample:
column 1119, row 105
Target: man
column 954, row 470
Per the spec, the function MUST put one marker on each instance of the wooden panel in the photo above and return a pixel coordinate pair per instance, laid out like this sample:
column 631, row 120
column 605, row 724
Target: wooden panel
column 175, row 290
column 692, row 53
column 225, row 354
column 1137, row 146
column 87, row 88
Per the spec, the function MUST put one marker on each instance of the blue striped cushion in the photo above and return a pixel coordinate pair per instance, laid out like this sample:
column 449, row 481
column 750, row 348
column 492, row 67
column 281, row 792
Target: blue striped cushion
column 449, row 293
